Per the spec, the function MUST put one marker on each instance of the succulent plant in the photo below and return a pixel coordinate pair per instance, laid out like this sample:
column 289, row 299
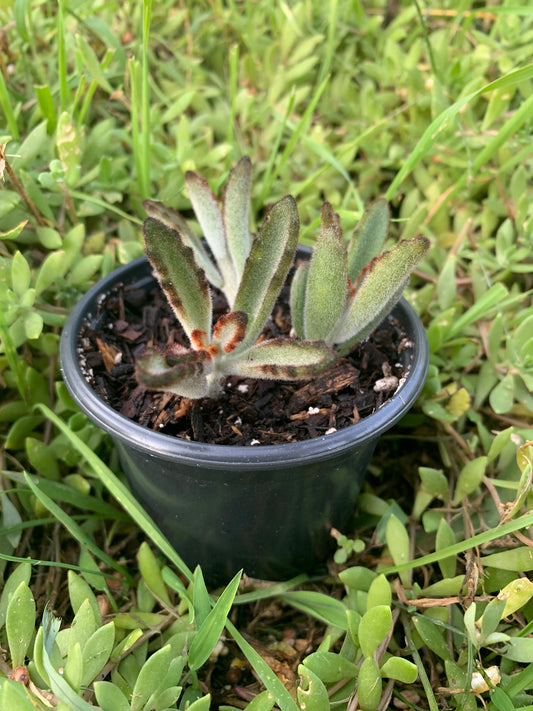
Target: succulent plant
column 337, row 298
column 249, row 270
column 344, row 291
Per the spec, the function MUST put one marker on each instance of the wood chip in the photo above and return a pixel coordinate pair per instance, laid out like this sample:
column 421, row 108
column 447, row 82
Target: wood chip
column 111, row 355
column 342, row 376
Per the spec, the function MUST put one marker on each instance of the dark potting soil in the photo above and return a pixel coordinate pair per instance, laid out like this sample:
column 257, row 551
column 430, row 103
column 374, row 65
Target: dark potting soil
column 249, row 411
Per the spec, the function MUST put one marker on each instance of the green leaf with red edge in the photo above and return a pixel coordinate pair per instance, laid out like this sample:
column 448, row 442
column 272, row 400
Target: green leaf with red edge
column 175, row 369
column 268, row 265
column 283, row 359
column 380, row 289
column 327, row 279
column 174, row 221
column 229, row 330
column 236, row 213
column 369, row 237
column 183, row 282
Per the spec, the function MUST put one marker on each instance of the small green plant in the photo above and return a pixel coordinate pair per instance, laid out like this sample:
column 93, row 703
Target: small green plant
column 353, row 677
column 337, row 298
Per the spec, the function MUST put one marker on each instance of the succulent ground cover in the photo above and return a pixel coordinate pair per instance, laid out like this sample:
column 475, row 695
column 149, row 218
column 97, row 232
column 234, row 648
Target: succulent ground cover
column 428, row 603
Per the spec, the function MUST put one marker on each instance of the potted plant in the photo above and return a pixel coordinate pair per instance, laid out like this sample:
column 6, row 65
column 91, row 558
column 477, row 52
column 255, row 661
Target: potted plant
column 268, row 508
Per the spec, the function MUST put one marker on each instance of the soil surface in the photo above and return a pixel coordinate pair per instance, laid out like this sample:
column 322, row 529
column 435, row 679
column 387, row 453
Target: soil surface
column 249, row 411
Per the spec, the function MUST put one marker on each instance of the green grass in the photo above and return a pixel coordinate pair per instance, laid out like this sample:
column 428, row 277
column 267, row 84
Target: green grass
column 103, row 104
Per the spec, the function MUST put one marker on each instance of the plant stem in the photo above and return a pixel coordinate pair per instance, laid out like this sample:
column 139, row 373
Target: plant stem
column 21, row 190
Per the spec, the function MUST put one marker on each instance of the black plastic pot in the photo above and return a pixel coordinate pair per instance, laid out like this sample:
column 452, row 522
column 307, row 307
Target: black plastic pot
column 268, row 509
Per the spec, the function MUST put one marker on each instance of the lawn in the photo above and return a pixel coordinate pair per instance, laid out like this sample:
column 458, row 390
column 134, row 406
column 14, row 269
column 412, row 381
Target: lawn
column 427, row 603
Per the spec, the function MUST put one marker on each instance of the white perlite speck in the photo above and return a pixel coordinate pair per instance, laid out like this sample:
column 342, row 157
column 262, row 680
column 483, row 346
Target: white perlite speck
column 386, row 384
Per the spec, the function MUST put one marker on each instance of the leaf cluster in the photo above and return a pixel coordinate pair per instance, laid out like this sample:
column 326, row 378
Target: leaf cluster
column 337, row 299
column 91, row 663
column 345, row 291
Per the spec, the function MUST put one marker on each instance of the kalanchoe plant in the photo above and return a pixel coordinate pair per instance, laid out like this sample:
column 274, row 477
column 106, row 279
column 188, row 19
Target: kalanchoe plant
column 250, row 272
column 345, row 291
column 337, row 298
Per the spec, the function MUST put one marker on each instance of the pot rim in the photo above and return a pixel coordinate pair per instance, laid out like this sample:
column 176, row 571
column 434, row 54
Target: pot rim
column 267, row 456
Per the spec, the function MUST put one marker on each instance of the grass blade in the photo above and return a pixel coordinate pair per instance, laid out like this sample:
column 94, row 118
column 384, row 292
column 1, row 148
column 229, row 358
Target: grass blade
column 271, row 590
column 325, row 608
column 234, row 78
column 490, row 299
column 145, row 101
column 478, row 540
column 59, row 685
column 209, row 633
column 122, row 494
column 268, row 177
column 55, row 564
column 62, row 56
column 427, row 141
column 5, row 103
column 282, row 697
column 297, row 133
column 68, row 495
column 71, row 526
